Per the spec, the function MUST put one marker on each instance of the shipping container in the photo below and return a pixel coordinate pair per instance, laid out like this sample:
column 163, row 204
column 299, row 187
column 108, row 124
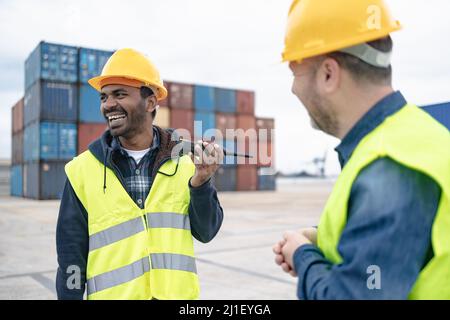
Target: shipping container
column 265, row 154
column 162, row 118
column 16, row 180
column 87, row 133
column 52, row 62
column 17, row 116
column 44, row 180
column 91, row 63
column 180, row 96
column 17, row 148
column 266, row 180
column 264, row 127
column 246, row 122
column 52, row 101
column 165, row 102
column 247, row 145
column 245, row 102
column 50, row 141
column 204, row 125
column 225, row 179
column 204, row 98
column 230, row 146
column 183, row 119
column 89, row 106
column 441, row 112
column 226, row 121
column 225, row 100
column 247, row 178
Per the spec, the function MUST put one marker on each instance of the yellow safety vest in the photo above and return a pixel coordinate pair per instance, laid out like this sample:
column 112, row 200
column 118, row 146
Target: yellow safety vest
column 414, row 139
column 137, row 253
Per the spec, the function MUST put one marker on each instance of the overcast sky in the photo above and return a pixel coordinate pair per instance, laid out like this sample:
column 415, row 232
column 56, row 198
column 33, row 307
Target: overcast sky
column 230, row 43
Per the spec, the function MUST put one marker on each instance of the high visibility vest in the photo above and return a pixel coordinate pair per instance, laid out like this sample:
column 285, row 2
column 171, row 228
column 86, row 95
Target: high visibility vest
column 414, row 139
column 137, row 253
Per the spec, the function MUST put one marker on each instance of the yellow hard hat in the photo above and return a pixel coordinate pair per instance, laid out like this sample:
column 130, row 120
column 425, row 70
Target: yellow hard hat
column 316, row 27
column 130, row 67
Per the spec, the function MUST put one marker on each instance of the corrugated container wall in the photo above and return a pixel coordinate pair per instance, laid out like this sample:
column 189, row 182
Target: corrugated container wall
column 247, row 178
column 441, row 112
column 225, row 179
column 87, row 133
column 16, row 181
column 17, row 148
column 265, row 154
column 165, row 102
column 17, row 116
column 44, row 180
column 52, row 62
column 50, row 141
column 264, row 127
column 204, row 98
column 245, row 102
column 225, row 100
column 266, row 181
column 91, row 63
column 180, row 96
column 53, row 101
column 89, row 105
column 183, row 119
column 226, row 121
column 204, row 125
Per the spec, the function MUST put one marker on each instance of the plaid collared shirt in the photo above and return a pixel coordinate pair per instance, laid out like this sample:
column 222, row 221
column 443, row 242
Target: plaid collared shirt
column 136, row 177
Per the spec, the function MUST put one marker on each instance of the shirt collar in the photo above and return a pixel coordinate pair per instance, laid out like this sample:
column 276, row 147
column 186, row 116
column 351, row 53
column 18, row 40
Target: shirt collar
column 372, row 119
column 116, row 146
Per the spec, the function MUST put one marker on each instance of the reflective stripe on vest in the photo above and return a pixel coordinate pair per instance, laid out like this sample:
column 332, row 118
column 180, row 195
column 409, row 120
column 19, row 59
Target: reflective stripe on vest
column 414, row 139
column 134, row 226
column 132, row 271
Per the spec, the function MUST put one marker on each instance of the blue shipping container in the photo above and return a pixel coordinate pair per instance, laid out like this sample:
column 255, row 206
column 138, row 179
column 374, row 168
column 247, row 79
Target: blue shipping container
column 204, row 98
column 91, row 63
column 230, row 146
column 225, row 100
column 225, row 178
column 204, row 125
column 44, row 180
column 16, row 181
column 52, row 62
column 54, row 101
column 90, row 105
column 50, row 141
column 441, row 112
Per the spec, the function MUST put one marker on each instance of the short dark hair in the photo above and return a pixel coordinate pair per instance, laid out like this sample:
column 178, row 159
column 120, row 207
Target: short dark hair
column 363, row 71
column 145, row 93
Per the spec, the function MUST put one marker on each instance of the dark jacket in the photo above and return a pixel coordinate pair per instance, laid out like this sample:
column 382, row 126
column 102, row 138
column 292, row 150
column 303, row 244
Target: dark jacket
column 72, row 240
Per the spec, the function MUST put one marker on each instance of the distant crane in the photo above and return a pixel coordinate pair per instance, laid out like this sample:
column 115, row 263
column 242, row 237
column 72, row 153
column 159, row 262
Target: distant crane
column 320, row 162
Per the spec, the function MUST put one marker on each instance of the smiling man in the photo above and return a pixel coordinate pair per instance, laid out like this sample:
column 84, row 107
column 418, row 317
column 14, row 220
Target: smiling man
column 130, row 209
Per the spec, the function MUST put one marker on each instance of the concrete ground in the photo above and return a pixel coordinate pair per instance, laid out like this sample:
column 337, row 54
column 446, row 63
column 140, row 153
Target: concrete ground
column 237, row 264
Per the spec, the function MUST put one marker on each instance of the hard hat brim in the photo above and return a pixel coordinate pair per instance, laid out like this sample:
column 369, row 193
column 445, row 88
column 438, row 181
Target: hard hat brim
column 96, row 82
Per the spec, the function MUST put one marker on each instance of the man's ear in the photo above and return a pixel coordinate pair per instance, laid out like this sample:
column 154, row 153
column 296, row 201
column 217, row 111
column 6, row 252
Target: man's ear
column 152, row 103
column 329, row 75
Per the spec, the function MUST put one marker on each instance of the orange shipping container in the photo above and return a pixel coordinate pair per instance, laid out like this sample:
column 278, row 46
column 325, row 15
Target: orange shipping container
column 181, row 96
column 165, row 102
column 225, row 121
column 183, row 119
column 247, row 178
column 245, row 102
column 17, row 116
column 87, row 133
column 265, row 154
column 268, row 124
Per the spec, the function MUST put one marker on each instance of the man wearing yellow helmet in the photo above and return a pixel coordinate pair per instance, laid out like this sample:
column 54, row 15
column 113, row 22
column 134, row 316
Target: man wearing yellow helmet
column 385, row 230
column 131, row 204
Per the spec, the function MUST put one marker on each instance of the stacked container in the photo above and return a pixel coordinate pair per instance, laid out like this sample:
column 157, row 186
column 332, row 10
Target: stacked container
column 50, row 118
column 91, row 123
column 17, row 149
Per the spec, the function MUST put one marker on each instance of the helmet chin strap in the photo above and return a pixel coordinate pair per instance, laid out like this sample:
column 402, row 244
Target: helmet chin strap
column 369, row 55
